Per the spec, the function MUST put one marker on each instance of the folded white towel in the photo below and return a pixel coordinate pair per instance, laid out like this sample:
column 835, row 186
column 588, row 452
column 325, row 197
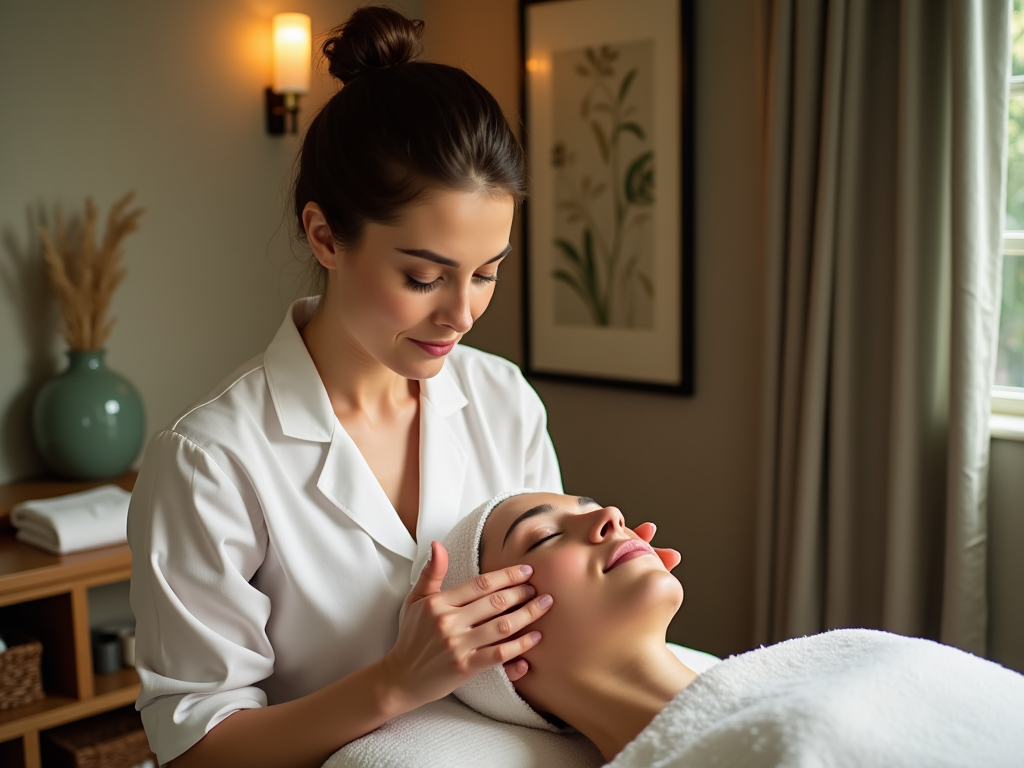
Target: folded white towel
column 75, row 521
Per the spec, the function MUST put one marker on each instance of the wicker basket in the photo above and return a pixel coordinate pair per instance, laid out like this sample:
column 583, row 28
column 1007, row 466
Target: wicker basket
column 111, row 740
column 21, row 678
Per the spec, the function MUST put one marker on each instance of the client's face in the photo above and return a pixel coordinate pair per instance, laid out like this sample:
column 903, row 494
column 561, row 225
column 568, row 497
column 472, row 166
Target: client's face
column 608, row 585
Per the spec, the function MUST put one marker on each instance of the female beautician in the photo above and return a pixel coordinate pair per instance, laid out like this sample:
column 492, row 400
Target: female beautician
column 276, row 526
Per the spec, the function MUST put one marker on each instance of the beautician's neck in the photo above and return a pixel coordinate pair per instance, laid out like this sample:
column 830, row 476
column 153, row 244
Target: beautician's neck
column 610, row 703
column 355, row 381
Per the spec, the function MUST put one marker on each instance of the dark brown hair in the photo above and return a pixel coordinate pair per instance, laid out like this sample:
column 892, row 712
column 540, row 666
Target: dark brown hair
column 398, row 128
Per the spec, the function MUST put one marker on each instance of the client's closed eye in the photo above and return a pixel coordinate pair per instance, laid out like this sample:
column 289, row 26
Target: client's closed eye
column 542, row 539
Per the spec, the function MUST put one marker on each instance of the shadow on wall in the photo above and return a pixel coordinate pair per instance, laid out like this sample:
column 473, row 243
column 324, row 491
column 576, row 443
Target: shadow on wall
column 25, row 285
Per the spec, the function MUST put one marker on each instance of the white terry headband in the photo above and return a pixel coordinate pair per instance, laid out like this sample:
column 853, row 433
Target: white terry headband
column 489, row 692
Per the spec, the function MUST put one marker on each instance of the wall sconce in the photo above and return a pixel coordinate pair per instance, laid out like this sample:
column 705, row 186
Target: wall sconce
column 292, row 34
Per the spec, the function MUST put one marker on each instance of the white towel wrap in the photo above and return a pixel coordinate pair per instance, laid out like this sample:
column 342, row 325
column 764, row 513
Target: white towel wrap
column 489, row 692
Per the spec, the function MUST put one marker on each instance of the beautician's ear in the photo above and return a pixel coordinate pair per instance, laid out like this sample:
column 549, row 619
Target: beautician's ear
column 319, row 236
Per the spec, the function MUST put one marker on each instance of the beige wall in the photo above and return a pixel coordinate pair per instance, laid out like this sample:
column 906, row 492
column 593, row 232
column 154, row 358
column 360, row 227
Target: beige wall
column 688, row 464
column 165, row 98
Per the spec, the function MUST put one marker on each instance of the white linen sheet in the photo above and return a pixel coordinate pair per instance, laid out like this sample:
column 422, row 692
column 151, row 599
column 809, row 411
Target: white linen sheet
column 448, row 734
column 847, row 698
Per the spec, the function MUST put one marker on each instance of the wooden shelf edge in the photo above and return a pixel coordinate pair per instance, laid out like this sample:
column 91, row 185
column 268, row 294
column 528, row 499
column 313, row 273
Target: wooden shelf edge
column 27, row 573
column 58, row 710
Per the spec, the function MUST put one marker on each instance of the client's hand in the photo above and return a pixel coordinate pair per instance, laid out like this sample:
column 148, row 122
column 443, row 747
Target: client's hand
column 670, row 557
column 447, row 637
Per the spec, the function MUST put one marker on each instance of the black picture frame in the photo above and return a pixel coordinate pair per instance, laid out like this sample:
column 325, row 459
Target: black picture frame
column 571, row 329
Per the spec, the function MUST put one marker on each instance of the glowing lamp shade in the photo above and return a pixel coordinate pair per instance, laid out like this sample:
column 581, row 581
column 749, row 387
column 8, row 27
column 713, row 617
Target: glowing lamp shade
column 291, row 40
column 292, row 34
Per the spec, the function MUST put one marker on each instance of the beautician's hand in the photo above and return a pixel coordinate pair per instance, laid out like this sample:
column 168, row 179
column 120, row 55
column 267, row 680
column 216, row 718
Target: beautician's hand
column 670, row 557
column 516, row 670
column 447, row 637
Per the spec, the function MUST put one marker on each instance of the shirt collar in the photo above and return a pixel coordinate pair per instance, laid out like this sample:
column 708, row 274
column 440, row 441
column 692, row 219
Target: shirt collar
column 298, row 393
column 443, row 391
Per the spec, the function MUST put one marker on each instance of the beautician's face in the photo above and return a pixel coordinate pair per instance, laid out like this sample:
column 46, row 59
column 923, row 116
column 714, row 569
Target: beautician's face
column 402, row 307
column 602, row 575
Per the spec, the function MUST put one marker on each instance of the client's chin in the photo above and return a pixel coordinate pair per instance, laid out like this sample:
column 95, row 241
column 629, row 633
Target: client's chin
column 650, row 597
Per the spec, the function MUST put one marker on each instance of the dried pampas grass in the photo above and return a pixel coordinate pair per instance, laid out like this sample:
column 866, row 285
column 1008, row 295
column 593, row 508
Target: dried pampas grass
column 85, row 275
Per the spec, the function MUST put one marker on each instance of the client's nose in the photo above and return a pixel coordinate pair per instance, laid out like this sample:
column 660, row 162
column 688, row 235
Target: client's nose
column 605, row 522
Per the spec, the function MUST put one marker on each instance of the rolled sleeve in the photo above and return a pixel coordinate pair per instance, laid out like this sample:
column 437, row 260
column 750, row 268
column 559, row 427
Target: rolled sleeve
column 197, row 539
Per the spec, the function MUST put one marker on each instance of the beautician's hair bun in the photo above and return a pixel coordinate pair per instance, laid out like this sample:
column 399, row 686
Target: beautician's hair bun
column 374, row 37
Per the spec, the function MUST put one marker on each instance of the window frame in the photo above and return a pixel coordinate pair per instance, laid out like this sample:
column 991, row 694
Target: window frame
column 1009, row 401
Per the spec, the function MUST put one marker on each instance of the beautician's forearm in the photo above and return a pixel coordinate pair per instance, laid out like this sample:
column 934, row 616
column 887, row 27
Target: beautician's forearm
column 303, row 732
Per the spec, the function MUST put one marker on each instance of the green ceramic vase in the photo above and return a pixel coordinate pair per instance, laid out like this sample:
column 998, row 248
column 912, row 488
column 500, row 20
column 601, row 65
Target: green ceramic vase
column 88, row 422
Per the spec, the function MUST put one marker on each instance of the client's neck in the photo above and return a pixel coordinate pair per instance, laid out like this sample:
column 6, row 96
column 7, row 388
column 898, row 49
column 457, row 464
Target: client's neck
column 612, row 700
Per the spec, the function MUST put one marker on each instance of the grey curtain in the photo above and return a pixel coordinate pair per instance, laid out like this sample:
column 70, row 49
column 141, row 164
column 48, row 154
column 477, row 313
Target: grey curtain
column 884, row 130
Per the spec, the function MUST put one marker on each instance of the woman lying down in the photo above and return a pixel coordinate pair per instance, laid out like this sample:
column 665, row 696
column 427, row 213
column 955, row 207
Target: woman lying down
column 843, row 698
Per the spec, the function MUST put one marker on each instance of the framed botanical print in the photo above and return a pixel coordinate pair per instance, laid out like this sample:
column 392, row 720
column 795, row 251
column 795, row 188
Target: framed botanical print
column 608, row 110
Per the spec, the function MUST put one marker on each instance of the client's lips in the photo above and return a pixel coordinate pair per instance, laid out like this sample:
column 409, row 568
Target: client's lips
column 628, row 550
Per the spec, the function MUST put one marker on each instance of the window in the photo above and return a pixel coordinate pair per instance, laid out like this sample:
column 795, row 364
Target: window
column 1008, row 395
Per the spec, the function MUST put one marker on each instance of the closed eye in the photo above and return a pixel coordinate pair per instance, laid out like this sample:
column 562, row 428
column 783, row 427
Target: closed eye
column 542, row 540
column 417, row 285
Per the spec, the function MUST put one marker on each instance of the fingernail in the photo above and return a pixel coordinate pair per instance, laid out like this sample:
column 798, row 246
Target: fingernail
column 526, row 570
column 545, row 600
column 530, row 590
column 535, row 637
column 655, row 527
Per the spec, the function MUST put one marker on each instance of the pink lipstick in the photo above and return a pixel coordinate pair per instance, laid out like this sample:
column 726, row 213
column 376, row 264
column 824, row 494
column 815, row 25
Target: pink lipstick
column 628, row 550
column 434, row 348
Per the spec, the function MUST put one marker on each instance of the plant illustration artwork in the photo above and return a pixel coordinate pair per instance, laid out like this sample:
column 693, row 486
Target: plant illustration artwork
column 604, row 164
column 608, row 241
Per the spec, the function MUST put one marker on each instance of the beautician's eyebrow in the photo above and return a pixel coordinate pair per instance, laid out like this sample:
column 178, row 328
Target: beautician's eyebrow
column 542, row 509
column 444, row 261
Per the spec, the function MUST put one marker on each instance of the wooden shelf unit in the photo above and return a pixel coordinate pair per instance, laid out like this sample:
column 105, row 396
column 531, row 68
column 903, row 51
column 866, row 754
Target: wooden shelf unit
column 47, row 596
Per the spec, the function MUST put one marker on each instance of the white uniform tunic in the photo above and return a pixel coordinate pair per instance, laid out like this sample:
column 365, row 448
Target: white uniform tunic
column 268, row 561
